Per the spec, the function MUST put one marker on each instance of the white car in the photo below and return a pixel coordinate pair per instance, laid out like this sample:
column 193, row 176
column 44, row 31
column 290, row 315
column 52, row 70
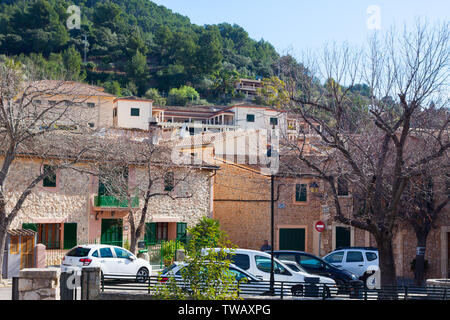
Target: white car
column 354, row 259
column 112, row 260
column 258, row 263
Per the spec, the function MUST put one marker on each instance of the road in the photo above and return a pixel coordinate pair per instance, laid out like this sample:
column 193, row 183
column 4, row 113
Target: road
column 5, row 293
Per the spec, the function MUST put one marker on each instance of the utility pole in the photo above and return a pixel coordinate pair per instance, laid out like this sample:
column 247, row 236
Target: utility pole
column 86, row 43
column 272, row 201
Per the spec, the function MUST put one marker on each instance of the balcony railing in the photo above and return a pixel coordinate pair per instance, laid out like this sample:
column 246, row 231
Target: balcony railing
column 113, row 202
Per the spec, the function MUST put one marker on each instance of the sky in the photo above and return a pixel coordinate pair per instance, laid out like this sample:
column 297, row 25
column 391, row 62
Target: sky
column 293, row 26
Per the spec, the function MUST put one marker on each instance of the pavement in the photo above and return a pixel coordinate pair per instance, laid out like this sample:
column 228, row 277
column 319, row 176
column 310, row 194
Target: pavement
column 5, row 293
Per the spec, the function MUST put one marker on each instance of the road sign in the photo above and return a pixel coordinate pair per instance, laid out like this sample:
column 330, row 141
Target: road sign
column 320, row 226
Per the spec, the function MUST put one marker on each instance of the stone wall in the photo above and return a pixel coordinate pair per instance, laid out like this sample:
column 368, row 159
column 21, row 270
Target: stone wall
column 39, row 284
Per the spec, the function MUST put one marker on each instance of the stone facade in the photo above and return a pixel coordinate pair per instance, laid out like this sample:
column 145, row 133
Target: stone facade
column 242, row 206
column 39, row 284
column 72, row 200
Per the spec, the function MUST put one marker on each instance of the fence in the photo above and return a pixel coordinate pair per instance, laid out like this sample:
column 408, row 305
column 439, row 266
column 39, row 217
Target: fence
column 162, row 253
column 283, row 290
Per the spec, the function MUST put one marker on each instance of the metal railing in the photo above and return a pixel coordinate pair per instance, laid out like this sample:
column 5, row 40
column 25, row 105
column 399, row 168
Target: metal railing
column 283, row 289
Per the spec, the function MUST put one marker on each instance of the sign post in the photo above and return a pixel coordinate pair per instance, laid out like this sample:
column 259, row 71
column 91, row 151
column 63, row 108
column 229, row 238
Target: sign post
column 320, row 227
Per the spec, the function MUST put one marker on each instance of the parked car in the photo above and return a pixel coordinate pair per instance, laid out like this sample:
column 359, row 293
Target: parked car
column 344, row 279
column 249, row 284
column 112, row 260
column 354, row 259
column 258, row 263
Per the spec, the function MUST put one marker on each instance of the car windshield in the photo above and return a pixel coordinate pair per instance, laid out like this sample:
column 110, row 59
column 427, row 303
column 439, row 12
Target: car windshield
column 169, row 268
column 79, row 252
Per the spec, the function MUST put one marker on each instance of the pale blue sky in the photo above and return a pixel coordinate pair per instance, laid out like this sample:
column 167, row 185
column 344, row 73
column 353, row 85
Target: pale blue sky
column 296, row 25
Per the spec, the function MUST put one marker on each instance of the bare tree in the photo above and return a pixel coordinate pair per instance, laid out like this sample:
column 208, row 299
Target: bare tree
column 160, row 178
column 371, row 146
column 30, row 129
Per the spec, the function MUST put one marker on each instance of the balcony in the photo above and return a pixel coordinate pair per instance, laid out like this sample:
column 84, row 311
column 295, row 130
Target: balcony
column 113, row 202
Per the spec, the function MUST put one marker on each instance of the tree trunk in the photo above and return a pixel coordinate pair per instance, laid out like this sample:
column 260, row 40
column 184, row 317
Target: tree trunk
column 419, row 271
column 133, row 239
column 387, row 267
column 3, row 230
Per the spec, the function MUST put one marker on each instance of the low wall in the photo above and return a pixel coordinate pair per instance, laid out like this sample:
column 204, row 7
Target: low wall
column 39, row 284
column 125, row 296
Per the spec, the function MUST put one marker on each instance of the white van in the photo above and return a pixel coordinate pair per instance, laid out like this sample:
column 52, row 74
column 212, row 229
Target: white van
column 258, row 263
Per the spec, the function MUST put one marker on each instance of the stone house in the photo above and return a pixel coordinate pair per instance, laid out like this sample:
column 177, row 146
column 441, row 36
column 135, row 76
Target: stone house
column 70, row 206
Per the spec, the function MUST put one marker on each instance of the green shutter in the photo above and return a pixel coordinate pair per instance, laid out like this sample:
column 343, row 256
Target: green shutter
column 301, row 193
column 30, row 226
column 181, row 231
column 150, row 233
column 70, row 235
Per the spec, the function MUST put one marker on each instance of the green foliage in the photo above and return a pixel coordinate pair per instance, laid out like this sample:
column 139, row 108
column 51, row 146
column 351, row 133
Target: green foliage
column 206, row 275
column 154, row 95
column 148, row 44
column 183, row 96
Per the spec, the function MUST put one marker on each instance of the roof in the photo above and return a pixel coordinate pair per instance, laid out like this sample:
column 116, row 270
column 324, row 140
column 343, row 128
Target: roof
column 66, row 88
column 133, row 98
column 21, row 232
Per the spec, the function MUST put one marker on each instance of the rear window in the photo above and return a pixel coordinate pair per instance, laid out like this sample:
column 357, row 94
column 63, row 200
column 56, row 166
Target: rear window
column 78, row 252
column 169, row 268
column 371, row 256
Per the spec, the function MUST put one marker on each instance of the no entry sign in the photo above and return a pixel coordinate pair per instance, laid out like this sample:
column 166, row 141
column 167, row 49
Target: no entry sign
column 320, row 226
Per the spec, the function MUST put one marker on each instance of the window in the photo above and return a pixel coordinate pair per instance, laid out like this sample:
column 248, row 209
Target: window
column 49, row 234
column 168, row 181
column 115, row 112
column 354, row 256
column 371, row 256
column 91, row 125
column 162, row 230
column 287, row 257
column 301, row 193
column 122, row 254
column 51, row 102
column 14, row 245
column 264, row 263
column 241, row 260
column 91, row 105
column 106, row 253
column 37, row 102
column 237, row 274
column 79, row 252
column 95, row 254
column 250, row 118
column 342, row 187
column 135, row 112
column 310, row 263
column 50, row 180
column 335, row 257
column 273, row 121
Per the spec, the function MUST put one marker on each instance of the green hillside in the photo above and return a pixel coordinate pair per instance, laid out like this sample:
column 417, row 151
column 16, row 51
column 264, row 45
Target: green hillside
column 133, row 46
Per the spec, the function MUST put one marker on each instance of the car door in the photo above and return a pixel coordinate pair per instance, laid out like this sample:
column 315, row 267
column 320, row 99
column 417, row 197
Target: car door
column 336, row 259
column 124, row 264
column 263, row 266
column 354, row 262
column 108, row 261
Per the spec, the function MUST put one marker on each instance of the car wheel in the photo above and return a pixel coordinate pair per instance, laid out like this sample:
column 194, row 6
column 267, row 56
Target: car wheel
column 142, row 275
column 297, row 291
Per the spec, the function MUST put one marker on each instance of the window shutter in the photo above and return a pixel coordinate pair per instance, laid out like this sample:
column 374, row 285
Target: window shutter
column 150, row 233
column 181, row 231
column 70, row 235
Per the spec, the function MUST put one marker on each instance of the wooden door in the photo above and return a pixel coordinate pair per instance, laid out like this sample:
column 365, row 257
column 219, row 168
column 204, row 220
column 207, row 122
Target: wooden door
column 26, row 252
column 292, row 239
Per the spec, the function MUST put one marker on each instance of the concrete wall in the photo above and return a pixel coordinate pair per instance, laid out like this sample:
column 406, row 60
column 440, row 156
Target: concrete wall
column 124, row 118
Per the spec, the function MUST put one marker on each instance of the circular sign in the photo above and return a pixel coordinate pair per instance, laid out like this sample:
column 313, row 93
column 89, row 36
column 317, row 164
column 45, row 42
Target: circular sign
column 320, row 226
